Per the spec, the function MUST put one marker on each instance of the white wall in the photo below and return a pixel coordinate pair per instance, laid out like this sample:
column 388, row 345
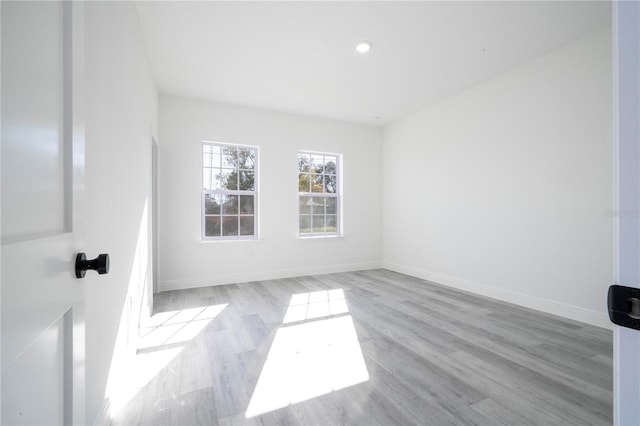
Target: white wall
column 186, row 261
column 121, row 115
column 506, row 188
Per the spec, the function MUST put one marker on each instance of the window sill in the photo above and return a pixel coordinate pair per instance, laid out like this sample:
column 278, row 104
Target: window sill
column 233, row 240
column 319, row 237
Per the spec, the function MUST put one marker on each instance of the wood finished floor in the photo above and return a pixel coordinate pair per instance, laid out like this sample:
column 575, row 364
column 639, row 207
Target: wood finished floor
column 433, row 356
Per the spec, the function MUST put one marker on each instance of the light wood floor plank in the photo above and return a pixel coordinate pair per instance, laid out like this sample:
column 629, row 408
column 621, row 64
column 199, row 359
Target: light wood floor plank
column 433, row 355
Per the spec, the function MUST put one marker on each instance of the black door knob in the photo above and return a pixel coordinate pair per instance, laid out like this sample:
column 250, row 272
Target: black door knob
column 100, row 264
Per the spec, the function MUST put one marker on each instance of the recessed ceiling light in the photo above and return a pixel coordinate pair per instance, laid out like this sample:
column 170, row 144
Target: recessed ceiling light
column 363, row 46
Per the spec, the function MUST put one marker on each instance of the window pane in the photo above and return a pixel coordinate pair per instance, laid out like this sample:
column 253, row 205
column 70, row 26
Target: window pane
column 330, row 167
column 332, row 205
column 331, row 223
column 317, row 223
column 305, row 224
column 246, row 204
column 318, row 175
column 304, row 182
column 330, row 184
column 246, row 225
column 212, row 226
column 229, row 157
column 209, row 178
column 211, row 204
column 305, row 205
column 317, row 163
column 229, row 188
column 228, row 179
column 247, row 179
column 304, row 161
column 246, row 158
column 230, row 204
column 317, row 183
column 211, row 156
column 229, row 226
column 317, row 206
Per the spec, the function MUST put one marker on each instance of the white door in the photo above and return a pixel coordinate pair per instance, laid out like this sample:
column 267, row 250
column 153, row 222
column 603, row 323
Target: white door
column 42, row 167
column 626, row 342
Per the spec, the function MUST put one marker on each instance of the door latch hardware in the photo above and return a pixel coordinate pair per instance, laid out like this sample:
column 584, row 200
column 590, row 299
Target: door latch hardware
column 624, row 306
column 100, row 264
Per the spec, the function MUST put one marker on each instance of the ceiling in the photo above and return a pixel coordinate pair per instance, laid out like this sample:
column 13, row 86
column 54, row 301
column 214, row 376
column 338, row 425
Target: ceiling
column 300, row 57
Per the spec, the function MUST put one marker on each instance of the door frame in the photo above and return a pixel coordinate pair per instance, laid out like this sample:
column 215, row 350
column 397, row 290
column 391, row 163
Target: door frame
column 626, row 112
column 154, row 214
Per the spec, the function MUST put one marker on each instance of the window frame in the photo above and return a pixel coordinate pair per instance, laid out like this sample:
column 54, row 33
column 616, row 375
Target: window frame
column 337, row 195
column 204, row 192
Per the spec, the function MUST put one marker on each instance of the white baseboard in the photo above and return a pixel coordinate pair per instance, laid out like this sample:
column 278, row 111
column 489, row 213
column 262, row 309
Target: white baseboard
column 545, row 305
column 166, row 285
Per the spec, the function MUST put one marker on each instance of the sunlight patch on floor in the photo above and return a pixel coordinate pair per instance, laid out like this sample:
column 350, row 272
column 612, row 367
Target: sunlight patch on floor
column 168, row 328
column 318, row 304
column 318, row 354
column 161, row 341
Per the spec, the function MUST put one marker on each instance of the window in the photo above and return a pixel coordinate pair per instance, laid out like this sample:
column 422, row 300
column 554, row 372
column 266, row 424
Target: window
column 319, row 193
column 229, row 182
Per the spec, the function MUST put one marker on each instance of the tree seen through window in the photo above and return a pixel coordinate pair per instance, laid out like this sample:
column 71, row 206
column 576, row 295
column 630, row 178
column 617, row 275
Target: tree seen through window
column 229, row 191
column 318, row 193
